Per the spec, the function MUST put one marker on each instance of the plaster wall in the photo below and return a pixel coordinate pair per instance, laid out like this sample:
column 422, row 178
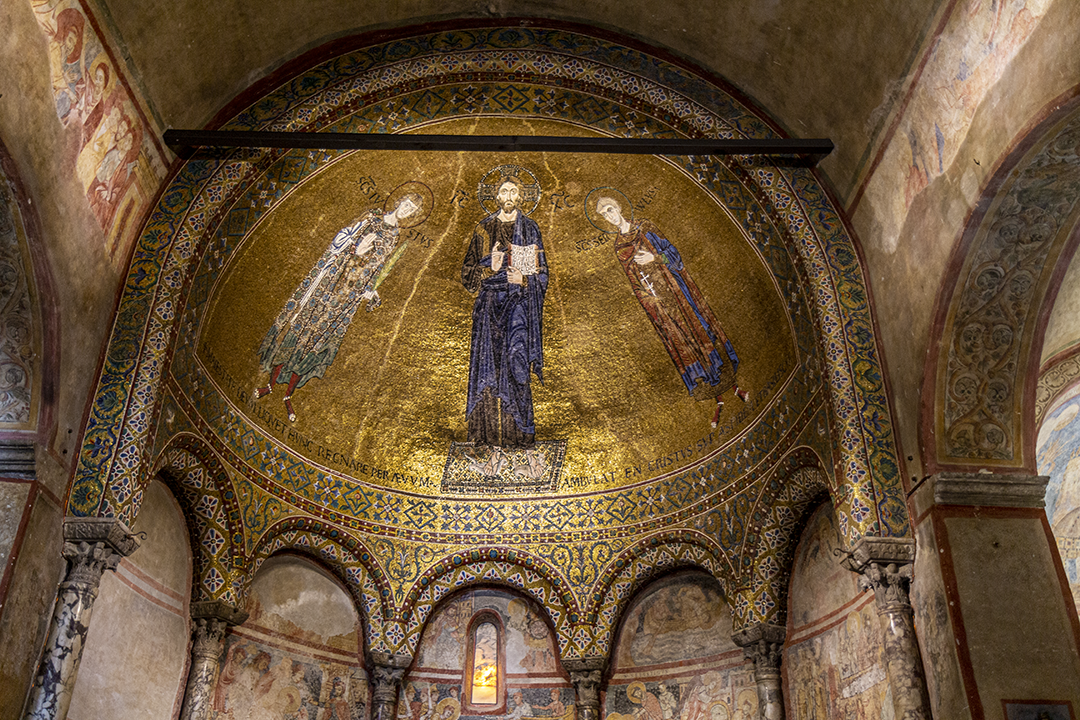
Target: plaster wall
column 298, row 655
column 195, row 57
column 1063, row 329
column 833, row 665
column 14, row 495
column 1058, row 452
column 674, row 657
column 136, row 654
column 933, row 620
column 1041, row 76
column 1025, row 627
column 27, row 606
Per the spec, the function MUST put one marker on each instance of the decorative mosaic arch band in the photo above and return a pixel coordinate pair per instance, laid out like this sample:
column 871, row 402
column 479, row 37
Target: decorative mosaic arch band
column 494, row 566
column 350, row 561
column 765, row 594
column 202, row 487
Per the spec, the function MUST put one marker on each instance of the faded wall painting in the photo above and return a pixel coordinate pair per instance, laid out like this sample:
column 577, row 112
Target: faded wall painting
column 486, row 653
column 1058, row 455
column 971, row 54
column 116, row 155
column 674, row 658
column 298, row 656
column 833, row 665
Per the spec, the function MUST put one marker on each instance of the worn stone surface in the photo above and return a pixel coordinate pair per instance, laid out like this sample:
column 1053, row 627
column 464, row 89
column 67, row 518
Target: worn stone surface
column 28, row 606
column 13, row 498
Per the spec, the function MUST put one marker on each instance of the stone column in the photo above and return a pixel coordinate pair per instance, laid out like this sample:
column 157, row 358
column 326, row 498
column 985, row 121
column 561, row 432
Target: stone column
column 585, row 673
column 91, row 545
column 210, row 620
column 886, row 567
column 764, row 643
column 386, row 673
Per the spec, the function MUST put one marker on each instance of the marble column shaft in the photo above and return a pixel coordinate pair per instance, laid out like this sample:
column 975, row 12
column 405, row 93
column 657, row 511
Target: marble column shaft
column 209, row 641
column 886, row 567
column 764, row 644
column 55, row 682
column 210, row 621
column 585, row 674
column 387, row 672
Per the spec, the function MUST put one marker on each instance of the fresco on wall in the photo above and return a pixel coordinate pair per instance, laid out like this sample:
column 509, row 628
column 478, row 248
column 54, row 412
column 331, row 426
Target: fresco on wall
column 298, row 654
column 17, row 326
column 116, row 156
column 1058, row 455
column 834, row 664
column 534, row 685
column 971, row 54
column 674, row 658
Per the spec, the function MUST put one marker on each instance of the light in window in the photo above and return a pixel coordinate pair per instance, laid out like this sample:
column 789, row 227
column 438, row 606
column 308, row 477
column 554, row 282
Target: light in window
column 485, row 677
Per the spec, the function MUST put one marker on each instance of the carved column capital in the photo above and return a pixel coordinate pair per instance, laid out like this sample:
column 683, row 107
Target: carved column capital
column 88, row 561
column 387, row 671
column 764, row 644
column 885, row 565
column 586, row 674
column 111, row 532
column 208, row 639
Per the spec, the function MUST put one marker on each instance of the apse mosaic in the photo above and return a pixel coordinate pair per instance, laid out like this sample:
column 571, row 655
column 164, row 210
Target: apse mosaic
column 491, row 354
column 562, row 371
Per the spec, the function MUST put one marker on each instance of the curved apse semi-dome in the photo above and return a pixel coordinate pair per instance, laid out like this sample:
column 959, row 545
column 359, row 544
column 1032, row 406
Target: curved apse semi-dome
column 556, row 353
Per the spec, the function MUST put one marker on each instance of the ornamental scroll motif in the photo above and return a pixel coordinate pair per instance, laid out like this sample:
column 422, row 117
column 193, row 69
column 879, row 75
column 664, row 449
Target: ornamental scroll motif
column 996, row 309
column 17, row 356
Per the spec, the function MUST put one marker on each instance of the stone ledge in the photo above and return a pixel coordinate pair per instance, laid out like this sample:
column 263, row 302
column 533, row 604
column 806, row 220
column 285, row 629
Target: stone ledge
column 989, row 489
column 218, row 610
column 586, row 664
column 17, row 460
column 880, row 550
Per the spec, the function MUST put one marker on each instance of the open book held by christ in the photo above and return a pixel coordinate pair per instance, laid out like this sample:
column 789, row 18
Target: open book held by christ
column 524, row 259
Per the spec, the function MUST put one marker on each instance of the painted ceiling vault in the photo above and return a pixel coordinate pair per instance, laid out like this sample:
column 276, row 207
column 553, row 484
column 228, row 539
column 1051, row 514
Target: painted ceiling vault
column 300, row 344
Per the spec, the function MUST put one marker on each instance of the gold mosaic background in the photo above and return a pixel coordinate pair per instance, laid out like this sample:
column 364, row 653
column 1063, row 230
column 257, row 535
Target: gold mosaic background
column 394, row 398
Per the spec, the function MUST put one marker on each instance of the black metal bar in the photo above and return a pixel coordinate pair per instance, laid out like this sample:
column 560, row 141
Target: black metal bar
column 493, row 143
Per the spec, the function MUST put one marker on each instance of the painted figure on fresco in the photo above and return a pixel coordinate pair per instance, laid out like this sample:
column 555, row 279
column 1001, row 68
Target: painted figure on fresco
column 305, row 337
column 505, row 266
column 703, row 356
